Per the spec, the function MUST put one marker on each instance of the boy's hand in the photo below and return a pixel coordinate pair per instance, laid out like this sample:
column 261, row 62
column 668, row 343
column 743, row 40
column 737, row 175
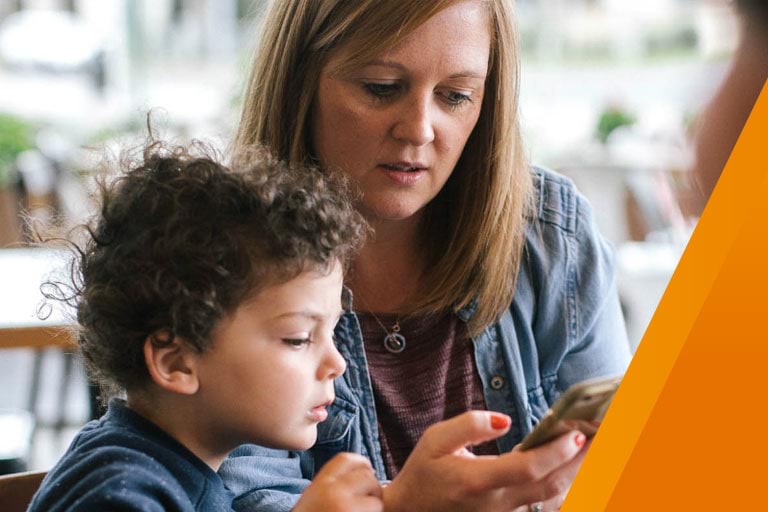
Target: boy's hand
column 345, row 483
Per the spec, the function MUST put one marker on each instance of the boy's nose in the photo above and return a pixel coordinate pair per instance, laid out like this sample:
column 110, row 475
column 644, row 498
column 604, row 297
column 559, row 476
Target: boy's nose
column 334, row 364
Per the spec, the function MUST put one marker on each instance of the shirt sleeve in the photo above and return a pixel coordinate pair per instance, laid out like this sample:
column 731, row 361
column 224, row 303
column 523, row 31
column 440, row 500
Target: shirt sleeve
column 597, row 339
column 264, row 479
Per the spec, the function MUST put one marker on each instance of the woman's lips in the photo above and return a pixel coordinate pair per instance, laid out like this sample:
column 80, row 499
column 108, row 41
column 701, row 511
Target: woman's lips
column 404, row 174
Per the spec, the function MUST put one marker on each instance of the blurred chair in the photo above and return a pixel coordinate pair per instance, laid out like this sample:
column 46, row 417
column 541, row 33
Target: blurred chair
column 633, row 203
column 655, row 207
column 10, row 227
column 16, row 490
column 605, row 186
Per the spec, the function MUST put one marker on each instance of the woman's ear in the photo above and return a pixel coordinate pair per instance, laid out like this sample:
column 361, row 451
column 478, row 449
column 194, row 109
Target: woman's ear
column 172, row 363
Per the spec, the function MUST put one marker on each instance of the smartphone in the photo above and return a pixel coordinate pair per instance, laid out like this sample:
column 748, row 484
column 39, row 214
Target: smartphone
column 581, row 407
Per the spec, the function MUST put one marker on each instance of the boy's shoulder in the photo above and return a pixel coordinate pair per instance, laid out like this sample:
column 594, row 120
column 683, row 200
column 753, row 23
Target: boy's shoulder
column 118, row 463
column 110, row 478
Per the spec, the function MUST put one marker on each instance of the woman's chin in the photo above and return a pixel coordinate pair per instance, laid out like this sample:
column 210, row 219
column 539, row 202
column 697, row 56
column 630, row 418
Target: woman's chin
column 391, row 211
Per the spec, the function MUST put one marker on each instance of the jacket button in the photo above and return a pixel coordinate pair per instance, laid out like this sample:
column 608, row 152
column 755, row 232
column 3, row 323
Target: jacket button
column 497, row 382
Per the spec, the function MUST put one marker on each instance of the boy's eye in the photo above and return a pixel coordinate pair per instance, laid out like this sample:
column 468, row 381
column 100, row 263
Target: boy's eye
column 297, row 342
column 381, row 89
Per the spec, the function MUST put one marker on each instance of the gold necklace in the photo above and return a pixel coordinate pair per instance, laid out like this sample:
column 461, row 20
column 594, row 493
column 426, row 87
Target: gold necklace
column 394, row 342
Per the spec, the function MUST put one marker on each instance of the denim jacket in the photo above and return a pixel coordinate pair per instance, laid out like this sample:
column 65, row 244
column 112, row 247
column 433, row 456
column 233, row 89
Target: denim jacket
column 564, row 326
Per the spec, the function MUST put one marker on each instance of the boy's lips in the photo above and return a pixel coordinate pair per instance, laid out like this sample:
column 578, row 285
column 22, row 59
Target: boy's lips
column 319, row 413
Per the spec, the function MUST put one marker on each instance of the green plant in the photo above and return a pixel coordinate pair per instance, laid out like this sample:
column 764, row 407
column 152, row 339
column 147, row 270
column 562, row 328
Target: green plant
column 15, row 136
column 611, row 119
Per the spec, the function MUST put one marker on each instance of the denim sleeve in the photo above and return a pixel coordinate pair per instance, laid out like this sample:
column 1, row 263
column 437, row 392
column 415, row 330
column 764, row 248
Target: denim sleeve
column 597, row 337
column 263, row 479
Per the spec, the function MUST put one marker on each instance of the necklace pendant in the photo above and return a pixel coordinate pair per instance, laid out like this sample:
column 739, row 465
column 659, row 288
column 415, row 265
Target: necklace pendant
column 394, row 342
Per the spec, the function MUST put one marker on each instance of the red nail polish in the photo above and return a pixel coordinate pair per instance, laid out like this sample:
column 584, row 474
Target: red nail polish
column 499, row 422
column 580, row 439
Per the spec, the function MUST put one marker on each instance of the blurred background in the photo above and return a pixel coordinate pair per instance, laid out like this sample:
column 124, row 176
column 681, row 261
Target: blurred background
column 611, row 91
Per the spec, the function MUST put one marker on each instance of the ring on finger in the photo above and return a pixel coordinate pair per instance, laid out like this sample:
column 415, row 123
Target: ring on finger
column 536, row 507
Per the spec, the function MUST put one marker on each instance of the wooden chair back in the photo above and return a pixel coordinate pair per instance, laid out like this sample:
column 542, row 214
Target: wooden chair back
column 17, row 489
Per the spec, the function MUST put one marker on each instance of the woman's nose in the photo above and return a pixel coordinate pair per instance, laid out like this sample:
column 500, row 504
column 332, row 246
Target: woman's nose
column 414, row 125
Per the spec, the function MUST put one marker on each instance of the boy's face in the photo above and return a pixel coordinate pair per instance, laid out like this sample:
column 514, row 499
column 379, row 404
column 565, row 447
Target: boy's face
column 269, row 373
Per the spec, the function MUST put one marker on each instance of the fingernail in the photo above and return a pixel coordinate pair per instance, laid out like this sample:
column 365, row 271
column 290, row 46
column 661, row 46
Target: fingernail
column 499, row 422
column 580, row 439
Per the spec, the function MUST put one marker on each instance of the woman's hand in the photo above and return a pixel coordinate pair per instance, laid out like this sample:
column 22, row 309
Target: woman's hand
column 441, row 474
column 551, row 505
column 346, row 483
column 555, row 503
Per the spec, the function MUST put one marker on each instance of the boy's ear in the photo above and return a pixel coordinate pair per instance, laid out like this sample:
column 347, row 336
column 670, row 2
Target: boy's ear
column 172, row 363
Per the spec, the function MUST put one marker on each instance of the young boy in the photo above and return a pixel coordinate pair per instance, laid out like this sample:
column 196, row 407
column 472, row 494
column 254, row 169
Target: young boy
column 209, row 297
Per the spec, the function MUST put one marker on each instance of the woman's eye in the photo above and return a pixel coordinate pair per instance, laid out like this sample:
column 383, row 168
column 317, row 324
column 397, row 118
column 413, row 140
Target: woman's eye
column 455, row 99
column 297, row 342
column 381, row 90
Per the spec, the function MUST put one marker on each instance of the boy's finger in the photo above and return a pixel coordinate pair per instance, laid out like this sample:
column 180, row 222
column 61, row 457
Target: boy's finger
column 367, row 504
column 469, row 428
column 344, row 462
column 360, row 481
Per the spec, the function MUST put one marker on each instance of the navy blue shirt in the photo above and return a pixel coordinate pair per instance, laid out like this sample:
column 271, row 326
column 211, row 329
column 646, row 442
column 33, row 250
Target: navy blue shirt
column 124, row 462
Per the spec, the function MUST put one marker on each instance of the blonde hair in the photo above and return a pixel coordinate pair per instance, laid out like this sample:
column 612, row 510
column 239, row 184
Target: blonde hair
column 485, row 203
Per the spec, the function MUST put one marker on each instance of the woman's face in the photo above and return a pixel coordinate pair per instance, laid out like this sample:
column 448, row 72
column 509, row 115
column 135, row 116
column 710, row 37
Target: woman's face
column 398, row 125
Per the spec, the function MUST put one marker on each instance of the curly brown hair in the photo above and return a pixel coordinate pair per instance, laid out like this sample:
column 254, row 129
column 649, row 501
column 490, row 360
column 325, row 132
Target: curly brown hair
column 180, row 241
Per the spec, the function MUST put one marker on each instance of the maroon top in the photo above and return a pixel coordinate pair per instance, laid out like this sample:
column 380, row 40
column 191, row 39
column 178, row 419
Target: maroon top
column 433, row 379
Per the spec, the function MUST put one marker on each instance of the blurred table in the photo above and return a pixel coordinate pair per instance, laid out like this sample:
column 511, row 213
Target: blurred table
column 22, row 271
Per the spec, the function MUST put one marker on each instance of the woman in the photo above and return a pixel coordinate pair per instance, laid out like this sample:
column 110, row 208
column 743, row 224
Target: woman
column 484, row 286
